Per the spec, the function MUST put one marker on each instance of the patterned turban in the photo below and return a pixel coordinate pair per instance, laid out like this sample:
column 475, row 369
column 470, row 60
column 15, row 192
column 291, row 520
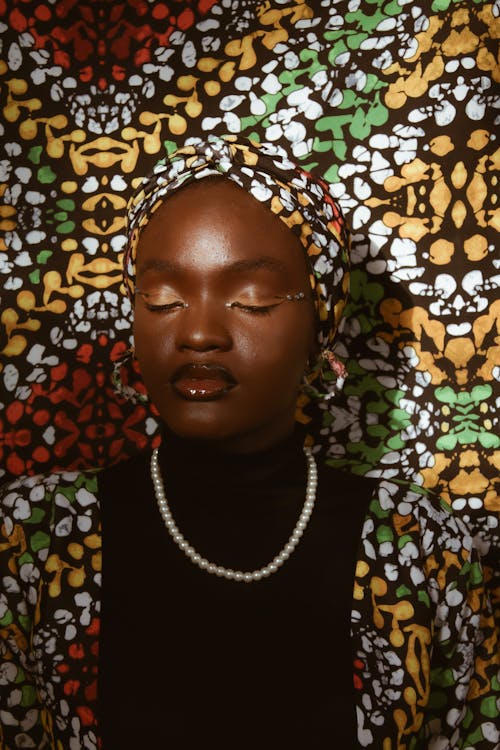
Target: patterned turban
column 299, row 199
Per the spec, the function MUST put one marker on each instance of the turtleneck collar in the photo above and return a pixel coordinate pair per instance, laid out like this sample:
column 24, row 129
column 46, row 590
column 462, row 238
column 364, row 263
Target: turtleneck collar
column 199, row 461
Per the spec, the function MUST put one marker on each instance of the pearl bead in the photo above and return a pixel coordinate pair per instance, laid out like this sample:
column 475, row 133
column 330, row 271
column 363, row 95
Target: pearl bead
column 219, row 570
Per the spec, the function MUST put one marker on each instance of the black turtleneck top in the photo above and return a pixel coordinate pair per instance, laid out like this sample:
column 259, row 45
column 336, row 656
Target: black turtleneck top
column 190, row 660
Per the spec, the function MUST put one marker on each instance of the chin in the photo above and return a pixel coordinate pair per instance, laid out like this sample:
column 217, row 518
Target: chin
column 197, row 427
column 210, row 435
column 252, row 428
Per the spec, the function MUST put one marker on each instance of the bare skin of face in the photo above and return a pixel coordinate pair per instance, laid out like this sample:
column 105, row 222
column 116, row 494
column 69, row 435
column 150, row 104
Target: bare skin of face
column 221, row 349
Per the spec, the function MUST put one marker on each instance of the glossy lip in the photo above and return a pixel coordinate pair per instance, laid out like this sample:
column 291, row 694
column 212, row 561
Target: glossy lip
column 207, row 382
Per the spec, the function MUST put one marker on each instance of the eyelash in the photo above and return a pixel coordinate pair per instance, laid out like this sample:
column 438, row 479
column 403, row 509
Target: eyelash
column 254, row 309
column 169, row 307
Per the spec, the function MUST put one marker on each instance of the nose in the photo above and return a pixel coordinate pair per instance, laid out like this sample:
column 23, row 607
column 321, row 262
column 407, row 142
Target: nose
column 203, row 327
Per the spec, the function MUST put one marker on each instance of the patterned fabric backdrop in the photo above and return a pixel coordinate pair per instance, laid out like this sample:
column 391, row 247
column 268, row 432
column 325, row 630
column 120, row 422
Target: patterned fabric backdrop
column 391, row 101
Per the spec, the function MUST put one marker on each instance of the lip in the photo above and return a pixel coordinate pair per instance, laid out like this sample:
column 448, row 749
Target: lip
column 209, row 382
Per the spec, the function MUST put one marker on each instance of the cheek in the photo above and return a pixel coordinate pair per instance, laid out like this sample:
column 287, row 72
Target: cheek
column 152, row 342
column 277, row 353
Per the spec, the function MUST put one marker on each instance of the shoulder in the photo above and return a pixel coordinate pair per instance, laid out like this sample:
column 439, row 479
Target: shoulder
column 345, row 487
column 421, row 620
column 41, row 502
column 48, row 524
column 414, row 513
column 402, row 521
column 335, row 477
column 412, row 542
column 77, row 486
column 49, row 601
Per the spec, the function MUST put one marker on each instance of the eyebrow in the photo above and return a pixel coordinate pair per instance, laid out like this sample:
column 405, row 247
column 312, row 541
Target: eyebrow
column 265, row 262
column 155, row 264
column 256, row 264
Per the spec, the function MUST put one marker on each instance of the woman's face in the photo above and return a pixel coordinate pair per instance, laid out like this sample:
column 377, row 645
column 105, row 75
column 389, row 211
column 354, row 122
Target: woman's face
column 221, row 352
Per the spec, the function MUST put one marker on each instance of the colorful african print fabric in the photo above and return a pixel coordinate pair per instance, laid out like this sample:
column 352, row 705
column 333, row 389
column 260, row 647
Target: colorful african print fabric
column 390, row 102
column 426, row 662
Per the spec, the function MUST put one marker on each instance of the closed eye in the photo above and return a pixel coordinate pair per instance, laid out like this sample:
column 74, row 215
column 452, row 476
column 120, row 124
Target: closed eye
column 266, row 309
column 165, row 308
column 160, row 306
column 254, row 309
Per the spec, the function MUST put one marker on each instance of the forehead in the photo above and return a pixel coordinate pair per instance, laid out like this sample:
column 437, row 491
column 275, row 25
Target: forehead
column 214, row 223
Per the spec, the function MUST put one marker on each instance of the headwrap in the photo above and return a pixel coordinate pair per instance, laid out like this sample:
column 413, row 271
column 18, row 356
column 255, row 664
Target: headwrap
column 299, row 199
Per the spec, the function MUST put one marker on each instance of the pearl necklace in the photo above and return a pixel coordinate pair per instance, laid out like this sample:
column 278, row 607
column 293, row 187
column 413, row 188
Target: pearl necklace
column 219, row 570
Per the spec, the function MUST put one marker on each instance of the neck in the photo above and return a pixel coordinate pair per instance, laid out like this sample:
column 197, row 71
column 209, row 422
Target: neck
column 240, row 445
column 195, row 461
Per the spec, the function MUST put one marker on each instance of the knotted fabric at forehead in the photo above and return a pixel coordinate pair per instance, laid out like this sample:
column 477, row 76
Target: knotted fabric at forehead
column 299, row 199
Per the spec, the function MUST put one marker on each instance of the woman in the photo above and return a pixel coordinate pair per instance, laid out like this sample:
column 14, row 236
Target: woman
column 248, row 599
